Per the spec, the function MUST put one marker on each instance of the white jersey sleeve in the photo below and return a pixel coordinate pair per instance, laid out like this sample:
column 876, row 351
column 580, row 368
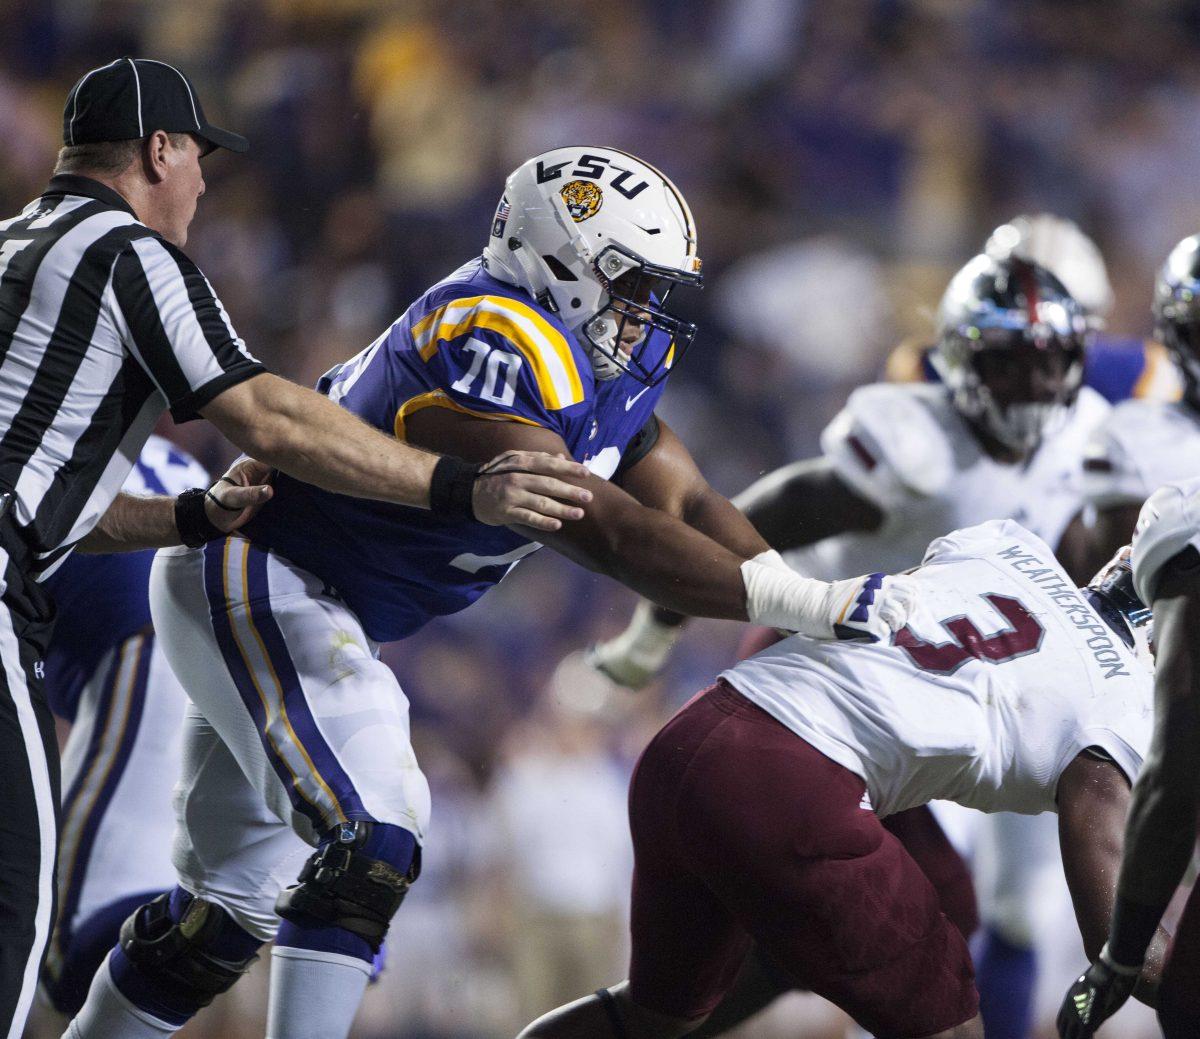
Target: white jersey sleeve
column 1142, row 445
column 888, row 446
column 1169, row 523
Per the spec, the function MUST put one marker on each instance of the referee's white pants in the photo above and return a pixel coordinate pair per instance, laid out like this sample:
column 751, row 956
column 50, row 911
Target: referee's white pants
column 297, row 726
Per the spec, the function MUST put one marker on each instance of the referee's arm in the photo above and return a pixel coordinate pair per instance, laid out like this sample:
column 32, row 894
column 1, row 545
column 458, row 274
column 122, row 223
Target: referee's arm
column 180, row 335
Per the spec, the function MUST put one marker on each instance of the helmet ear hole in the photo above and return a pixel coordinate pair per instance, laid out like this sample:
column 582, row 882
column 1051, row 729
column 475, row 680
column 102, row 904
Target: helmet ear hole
column 559, row 269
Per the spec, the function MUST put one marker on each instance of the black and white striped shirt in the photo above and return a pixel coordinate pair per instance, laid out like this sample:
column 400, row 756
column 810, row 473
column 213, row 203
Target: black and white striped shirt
column 103, row 325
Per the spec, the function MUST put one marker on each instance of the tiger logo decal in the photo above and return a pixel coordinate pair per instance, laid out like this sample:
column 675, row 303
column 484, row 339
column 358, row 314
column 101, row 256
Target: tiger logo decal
column 583, row 199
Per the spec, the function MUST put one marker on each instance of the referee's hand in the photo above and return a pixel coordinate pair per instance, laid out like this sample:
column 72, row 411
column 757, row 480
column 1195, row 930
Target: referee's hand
column 529, row 488
column 235, row 498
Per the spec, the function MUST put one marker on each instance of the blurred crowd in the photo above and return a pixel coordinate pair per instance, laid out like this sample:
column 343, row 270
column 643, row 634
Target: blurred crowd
column 841, row 158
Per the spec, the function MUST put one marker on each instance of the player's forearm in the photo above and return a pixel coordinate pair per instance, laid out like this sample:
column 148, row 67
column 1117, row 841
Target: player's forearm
column 803, row 503
column 1161, row 829
column 133, row 523
column 665, row 561
column 1161, row 832
column 307, row 436
column 718, row 518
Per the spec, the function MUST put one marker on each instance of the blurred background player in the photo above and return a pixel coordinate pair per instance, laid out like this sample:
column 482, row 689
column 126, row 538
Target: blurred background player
column 1144, row 444
column 756, row 811
column 1001, row 434
column 1161, row 836
column 1118, row 366
column 559, row 335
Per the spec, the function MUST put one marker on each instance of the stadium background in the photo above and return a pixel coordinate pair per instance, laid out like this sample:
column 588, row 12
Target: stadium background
column 841, row 158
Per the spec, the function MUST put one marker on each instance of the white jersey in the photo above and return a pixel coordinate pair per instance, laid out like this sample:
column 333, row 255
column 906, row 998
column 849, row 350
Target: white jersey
column 164, row 468
column 1168, row 523
column 1003, row 676
column 1142, row 445
column 904, row 448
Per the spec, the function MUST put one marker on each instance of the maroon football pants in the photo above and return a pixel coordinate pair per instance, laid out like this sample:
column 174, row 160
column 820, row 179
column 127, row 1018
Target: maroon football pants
column 917, row 829
column 744, row 832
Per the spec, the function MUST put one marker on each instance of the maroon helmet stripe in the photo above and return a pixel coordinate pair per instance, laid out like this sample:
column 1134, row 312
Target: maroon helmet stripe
column 864, row 456
column 1024, row 272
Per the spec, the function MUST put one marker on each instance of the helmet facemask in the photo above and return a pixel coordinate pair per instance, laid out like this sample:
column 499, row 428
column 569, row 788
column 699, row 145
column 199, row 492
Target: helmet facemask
column 1177, row 325
column 1016, row 384
column 1115, row 598
column 618, row 334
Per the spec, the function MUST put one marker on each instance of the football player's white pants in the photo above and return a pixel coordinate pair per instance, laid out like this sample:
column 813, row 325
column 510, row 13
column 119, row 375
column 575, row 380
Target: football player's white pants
column 297, row 725
column 119, row 766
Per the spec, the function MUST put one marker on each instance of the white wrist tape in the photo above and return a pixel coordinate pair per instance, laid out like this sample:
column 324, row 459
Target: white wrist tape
column 778, row 597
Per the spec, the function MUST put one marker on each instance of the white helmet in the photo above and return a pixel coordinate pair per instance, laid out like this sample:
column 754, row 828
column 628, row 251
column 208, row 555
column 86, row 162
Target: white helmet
column 1058, row 244
column 600, row 238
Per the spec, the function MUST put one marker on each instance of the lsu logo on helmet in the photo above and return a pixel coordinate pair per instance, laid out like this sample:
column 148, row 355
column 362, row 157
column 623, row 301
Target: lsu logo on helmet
column 583, row 199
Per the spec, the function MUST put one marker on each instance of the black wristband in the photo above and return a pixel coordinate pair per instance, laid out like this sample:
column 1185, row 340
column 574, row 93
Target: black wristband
column 1133, row 927
column 192, row 522
column 451, row 487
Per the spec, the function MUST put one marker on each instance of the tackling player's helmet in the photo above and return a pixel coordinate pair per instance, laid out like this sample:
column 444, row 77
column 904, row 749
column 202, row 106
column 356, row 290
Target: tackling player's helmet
column 1010, row 348
column 1113, row 595
column 1058, row 244
column 1177, row 309
column 601, row 239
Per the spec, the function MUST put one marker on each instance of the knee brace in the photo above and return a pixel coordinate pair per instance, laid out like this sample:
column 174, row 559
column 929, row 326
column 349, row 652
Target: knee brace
column 196, row 953
column 343, row 884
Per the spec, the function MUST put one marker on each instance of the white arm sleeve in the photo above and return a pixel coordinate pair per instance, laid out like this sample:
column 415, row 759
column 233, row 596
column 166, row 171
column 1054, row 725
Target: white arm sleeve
column 1140, row 446
column 887, row 446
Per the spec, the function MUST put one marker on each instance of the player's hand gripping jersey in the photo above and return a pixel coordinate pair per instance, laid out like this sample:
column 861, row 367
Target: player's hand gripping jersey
column 481, row 347
column 906, row 449
column 1005, row 674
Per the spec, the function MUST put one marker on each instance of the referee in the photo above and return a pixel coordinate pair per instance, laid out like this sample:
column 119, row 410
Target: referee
column 104, row 324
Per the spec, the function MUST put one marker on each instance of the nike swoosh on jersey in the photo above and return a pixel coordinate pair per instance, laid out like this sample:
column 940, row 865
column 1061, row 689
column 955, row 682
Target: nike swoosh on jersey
column 631, row 401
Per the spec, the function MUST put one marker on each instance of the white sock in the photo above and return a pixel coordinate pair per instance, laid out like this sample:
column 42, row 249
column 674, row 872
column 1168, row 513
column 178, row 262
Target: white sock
column 314, row 995
column 106, row 1014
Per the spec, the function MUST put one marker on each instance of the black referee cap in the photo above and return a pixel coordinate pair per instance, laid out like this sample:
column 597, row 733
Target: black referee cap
column 130, row 98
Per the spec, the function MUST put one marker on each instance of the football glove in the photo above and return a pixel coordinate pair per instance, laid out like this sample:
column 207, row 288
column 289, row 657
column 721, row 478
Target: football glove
column 635, row 656
column 870, row 608
column 1097, row 994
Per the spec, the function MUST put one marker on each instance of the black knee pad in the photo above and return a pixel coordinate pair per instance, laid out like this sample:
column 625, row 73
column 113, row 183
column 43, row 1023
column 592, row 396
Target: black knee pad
column 180, row 953
column 342, row 886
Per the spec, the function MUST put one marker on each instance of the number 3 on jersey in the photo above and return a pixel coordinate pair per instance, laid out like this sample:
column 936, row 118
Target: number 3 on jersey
column 1022, row 637
column 500, row 378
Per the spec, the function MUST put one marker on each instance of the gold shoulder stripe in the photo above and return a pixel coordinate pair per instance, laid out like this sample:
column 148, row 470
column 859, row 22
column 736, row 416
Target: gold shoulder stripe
column 543, row 346
column 439, row 399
